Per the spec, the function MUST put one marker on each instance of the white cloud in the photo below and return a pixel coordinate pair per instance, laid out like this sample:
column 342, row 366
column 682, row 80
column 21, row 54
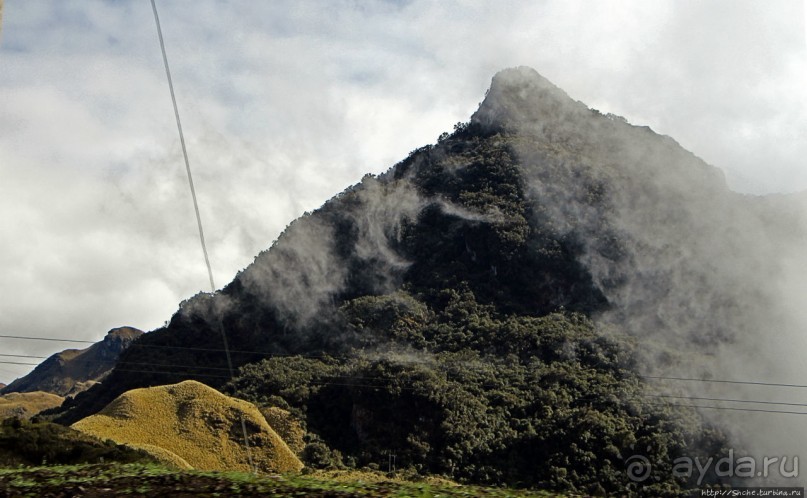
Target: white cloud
column 285, row 103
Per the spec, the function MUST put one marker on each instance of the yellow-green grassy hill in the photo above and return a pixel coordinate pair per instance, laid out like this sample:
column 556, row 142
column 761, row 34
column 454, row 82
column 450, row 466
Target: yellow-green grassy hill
column 192, row 425
column 287, row 427
column 26, row 405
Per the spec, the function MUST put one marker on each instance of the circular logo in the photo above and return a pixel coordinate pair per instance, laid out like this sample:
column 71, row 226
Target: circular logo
column 638, row 468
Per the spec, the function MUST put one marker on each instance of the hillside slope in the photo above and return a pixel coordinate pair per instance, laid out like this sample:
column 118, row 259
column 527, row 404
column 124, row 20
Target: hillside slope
column 26, row 405
column 488, row 307
column 75, row 370
column 190, row 425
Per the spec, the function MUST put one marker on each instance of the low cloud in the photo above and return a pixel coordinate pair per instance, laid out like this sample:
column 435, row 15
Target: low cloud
column 285, row 104
column 708, row 280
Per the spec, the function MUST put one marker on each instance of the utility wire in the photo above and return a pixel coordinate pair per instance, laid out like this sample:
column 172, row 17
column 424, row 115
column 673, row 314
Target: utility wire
column 698, row 398
column 720, row 381
column 262, row 353
column 182, row 142
column 17, row 363
column 157, row 346
column 198, row 216
column 759, row 410
column 231, row 371
column 54, row 339
column 346, row 381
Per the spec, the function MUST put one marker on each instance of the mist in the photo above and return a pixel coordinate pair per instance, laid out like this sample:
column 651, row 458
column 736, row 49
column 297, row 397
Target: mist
column 281, row 115
column 711, row 282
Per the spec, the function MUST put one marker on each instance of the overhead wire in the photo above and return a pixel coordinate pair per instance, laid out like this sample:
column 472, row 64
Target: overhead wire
column 347, row 381
column 53, row 339
column 725, row 400
column 184, row 148
column 759, row 410
column 196, row 210
column 162, row 346
column 722, row 381
column 322, row 356
column 17, row 363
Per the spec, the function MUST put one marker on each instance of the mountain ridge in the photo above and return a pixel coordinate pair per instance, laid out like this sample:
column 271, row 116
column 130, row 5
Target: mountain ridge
column 541, row 240
column 74, row 370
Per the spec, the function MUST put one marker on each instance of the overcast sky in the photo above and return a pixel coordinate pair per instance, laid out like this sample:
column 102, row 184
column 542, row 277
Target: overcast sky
column 285, row 104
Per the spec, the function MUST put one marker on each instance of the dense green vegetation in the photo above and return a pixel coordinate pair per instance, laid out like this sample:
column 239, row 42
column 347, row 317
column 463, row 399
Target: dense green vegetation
column 499, row 245
column 150, row 480
column 542, row 402
column 442, row 313
column 23, row 442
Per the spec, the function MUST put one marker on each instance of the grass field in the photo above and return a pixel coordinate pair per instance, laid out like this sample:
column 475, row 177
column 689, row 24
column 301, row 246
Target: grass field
column 191, row 425
column 150, row 480
column 24, row 405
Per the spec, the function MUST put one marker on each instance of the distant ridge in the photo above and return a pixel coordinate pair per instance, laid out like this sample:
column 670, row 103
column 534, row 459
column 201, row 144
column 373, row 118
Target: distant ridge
column 75, row 370
column 26, row 405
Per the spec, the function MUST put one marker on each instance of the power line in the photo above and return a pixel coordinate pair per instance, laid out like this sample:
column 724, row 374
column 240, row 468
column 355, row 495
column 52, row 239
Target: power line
column 182, row 143
column 697, row 398
column 114, row 363
column 54, row 339
column 322, row 356
column 196, row 210
column 186, row 348
column 752, row 383
column 156, row 346
column 17, row 363
column 759, row 410
column 345, row 382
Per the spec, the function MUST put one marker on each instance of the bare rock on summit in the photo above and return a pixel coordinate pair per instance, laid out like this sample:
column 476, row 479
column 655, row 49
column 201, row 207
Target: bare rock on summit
column 521, row 95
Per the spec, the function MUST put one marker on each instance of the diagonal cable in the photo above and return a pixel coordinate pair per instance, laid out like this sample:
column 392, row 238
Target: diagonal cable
column 184, row 149
column 196, row 210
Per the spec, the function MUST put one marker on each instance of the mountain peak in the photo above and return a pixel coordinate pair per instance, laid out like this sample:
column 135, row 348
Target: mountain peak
column 124, row 333
column 520, row 95
column 74, row 370
column 521, row 76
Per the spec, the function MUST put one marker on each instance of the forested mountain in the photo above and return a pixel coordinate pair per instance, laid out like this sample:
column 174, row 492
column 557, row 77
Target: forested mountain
column 487, row 308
